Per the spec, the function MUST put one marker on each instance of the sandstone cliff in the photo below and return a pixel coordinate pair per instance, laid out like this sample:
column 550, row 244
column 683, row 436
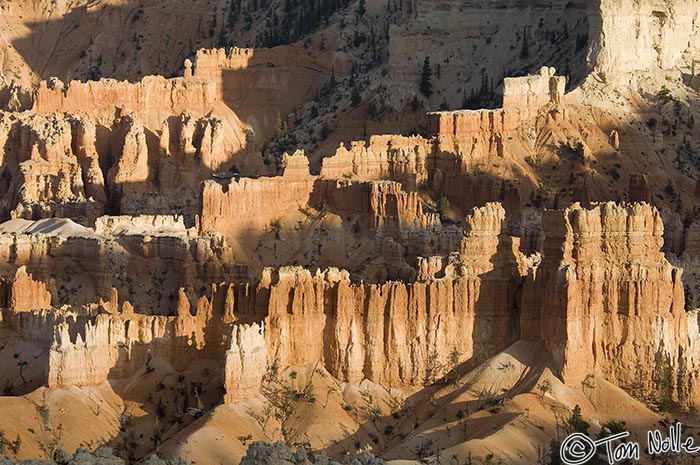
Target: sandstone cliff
column 153, row 95
column 396, row 334
column 117, row 346
column 642, row 36
column 27, row 294
column 131, row 173
column 393, row 333
column 382, row 206
column 226, row 208
column 384, row 271
column 42, row 176
column 261, row 85
column 402, row 159
column 604, row 299
column 81, row 265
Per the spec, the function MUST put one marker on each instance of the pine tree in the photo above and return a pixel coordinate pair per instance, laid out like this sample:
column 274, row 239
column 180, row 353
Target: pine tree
column 525, row 52
column 576, row 423
column 554, row 457
column 415, row 103
column 355, row 97
column 426, row 85
column 362, row 9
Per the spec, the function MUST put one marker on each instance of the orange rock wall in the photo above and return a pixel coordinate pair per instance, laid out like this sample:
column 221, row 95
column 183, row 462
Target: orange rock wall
column 119, row 345
column 246, row 206
column 27, row 295
column 383, row 206
column 153, row 94
column 396, row 333
column 534, row 92
column 402, row 159
column 605, row 299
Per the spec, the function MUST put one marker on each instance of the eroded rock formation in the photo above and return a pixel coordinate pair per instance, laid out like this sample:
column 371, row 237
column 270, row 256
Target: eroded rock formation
column 402, row 159
column 154, row 94
column 229, row 259
column 605, row 298
column 659, row 37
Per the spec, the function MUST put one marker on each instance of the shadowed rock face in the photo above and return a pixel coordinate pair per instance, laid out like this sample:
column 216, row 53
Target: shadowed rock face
column 603, row 272
column 393, row 333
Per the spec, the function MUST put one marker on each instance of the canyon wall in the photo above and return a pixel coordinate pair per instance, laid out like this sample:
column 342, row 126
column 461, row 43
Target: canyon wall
column 644, row 35
column 117, row 346
column 602, row 299
column 262, row 85
column 26, row 294
column 458, row 168
column 382, row 206
column 478, row 133
column 396, row 158
column 605, row 299
column 211, row 63
column 84, row 165
column 614, row 37
column 109, row 340
column 395, row 333
column 246, row 360
column 228, row 208
column 41, row 174
column 293, row 207
column 154, row 94
column 461, row 309
column 81, row 265
column 534, row 92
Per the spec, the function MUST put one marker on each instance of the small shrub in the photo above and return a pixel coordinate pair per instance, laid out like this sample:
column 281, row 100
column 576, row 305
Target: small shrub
column 16, row 445
column 612, row 428
column 545, row 387
column 665, row 95
column 245, row 439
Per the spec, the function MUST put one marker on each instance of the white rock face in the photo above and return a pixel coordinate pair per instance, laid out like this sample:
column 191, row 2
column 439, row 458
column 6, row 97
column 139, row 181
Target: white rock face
column 637, row 35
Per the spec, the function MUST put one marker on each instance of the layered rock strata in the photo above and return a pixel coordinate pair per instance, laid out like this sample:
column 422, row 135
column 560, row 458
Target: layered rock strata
column 401, row 159
column 81, row 166
column 383, row 206
column 393, row 333
column 154, row 94
column 606, row 301
column 644, row 35
column 78, row 265
column 115, row 346
column 397, row 334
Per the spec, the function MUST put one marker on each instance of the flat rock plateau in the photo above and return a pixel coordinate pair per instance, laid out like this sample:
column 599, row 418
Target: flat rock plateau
column 413, row 231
